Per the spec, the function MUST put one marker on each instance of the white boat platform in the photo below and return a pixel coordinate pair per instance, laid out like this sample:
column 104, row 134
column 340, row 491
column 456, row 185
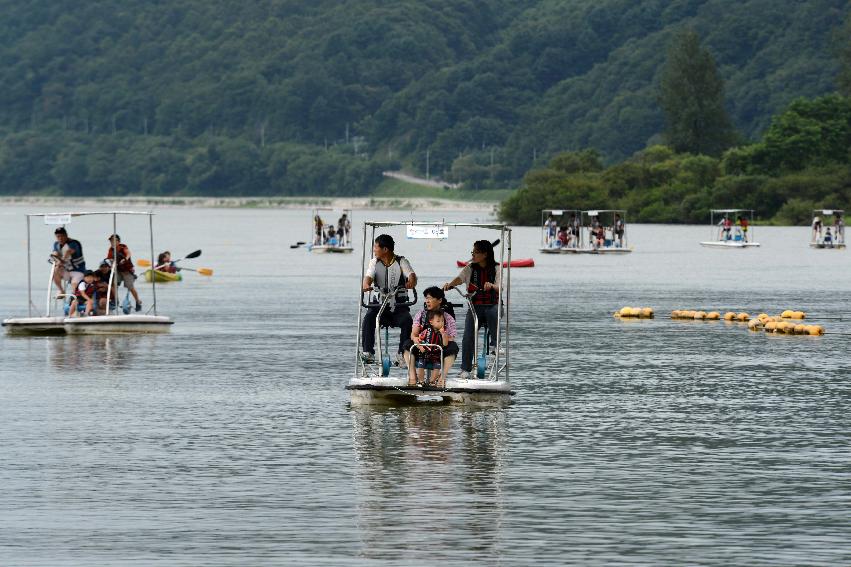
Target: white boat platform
column 729, row 244
column 327, row 249
column 603, row 250
column 93, row 325
column 827, row 246
column 395, row 391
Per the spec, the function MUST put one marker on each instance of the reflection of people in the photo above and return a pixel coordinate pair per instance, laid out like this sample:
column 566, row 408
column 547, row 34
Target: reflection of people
column 68, row 254
column 434, row 299
column 389, row 273
column 124, row 269
column 483, row 280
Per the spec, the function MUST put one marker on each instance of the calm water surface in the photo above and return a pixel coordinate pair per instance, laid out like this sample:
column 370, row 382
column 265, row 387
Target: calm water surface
column 231, row 442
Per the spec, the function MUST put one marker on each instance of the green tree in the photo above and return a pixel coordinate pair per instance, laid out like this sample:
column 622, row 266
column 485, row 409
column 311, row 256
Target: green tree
column 844, row 48
column 691, row 95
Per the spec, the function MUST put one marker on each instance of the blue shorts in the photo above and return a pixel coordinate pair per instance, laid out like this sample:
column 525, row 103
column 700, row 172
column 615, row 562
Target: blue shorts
column 421, row 363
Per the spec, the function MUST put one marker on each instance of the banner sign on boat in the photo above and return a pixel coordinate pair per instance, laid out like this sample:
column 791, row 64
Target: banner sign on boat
column 557, row 213
column 57, row 219
column 427, row 231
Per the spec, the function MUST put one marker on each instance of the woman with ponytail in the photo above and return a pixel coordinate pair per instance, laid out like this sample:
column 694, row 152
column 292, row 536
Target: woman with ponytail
column 481, row 275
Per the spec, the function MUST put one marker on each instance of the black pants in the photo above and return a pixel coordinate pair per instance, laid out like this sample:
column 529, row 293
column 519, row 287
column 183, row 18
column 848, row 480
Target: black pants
column 400, row 317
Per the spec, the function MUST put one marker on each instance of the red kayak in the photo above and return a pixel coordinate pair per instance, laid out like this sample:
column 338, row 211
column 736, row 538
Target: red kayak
column 519, row 263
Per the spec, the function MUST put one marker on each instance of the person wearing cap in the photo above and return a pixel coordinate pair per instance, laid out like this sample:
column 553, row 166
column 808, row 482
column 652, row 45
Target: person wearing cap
column 68, row 256
column 84, row 292
column 124, row 270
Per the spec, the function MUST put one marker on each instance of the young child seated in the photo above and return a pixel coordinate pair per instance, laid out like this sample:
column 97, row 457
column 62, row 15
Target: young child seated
column 563, row 237
column 430, row 357
column 828, row 238
column 84, row 292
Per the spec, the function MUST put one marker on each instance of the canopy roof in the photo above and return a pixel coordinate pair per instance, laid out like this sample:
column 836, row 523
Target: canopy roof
column 597, row 211
column 561, row 211
column 86, row 213
column 828, row 211
column 378, row 224
column 732, row 210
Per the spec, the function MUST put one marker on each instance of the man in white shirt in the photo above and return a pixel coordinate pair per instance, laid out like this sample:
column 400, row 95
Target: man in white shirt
column 388, row 272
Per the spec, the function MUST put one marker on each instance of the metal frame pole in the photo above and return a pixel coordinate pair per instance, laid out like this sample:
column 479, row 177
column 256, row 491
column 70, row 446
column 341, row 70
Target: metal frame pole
column 507, row 308
column 503, row 269
column 153, row 274
column 360, row 302
column 29, row 275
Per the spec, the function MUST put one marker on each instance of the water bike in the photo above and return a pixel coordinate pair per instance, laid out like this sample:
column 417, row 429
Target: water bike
column 54, row 319
column 730, row 235
column 329, row 237
column 379, row 382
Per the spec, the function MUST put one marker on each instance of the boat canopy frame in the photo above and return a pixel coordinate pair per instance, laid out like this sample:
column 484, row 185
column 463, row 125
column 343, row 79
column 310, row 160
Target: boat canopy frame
column 596, row 213
column 503, row 262
column 557, row 213
column 70, row 215
column 315, row 213
column 725, row 212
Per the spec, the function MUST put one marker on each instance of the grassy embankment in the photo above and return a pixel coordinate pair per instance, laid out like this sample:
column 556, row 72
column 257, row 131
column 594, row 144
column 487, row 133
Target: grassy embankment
column 396, row 188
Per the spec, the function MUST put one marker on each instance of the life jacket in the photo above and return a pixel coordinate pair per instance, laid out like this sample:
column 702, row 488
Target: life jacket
column 90, row 289
column 431, row 337
column 392, row 273
column 124, row 264
column 76, row 263
column 478, row 278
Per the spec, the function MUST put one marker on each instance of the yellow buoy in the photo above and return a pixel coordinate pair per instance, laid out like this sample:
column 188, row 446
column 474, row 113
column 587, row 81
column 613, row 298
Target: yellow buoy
column 635, row 312
column 799, row 315
column 770, row 327
column 743, row 317
column 763, row 316
column 787, row 314
column 800, row 329
column 626, row 311
column 754, row 325
column 816, row 330
column 700, row 315
column 729, row 316
column 790, row 328
column 647, row 312
column 713, row 316
column 675, row 314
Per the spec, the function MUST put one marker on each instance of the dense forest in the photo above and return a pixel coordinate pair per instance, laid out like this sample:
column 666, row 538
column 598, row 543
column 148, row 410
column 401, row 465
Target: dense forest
column 289, row 97
column 802, row 162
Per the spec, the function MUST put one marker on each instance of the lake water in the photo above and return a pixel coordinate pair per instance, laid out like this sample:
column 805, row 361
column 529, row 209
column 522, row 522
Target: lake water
column 230, row 440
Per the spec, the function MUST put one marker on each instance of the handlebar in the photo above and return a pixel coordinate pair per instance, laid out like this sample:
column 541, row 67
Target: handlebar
column 390, row 293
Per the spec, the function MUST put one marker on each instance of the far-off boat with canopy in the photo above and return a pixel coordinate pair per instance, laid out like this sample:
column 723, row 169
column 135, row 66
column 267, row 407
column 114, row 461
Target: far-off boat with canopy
column 733, row 229
column 331, row 235
column 828, row 229
column 604, row 232
column 560, row 231
column 53, row 320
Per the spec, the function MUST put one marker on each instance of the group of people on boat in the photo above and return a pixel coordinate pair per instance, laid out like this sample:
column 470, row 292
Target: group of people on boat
column 824, row 236
column 599, row 235
column 561, row 236
column 726, row 226
column 427, row 341
column 91, row 287
column 332, row 234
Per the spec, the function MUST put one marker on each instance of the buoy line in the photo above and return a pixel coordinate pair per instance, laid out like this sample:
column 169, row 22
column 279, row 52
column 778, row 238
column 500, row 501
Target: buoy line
column 789, row 322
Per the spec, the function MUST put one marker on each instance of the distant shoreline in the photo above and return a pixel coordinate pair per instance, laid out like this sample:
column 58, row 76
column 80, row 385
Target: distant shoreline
column 398, row 203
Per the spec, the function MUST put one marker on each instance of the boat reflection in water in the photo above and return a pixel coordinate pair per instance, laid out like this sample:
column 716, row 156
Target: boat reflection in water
column 429, row 480
column 96, row 353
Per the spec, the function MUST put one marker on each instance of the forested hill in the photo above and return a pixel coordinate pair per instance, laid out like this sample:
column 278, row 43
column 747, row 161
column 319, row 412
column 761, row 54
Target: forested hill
column 313, row 96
